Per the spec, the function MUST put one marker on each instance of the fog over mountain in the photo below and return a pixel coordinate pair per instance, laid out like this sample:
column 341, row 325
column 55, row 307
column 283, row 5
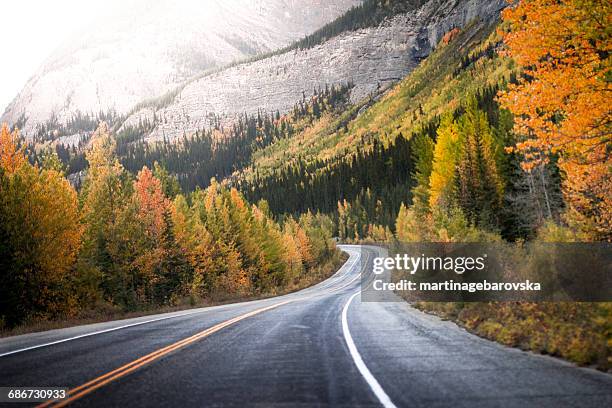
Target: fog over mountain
column 153, row 47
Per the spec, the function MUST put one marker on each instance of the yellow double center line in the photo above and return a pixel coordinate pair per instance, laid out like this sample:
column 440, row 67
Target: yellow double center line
column 90, row 386
column 102, row 380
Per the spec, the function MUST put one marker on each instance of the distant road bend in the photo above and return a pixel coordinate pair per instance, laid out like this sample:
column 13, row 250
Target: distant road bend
column 321, row 346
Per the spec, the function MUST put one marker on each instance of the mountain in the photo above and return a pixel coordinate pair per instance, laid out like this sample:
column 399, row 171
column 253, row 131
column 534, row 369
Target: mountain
column 331, row 146
column 246, row 115
column 152, row 47
column 369, row 58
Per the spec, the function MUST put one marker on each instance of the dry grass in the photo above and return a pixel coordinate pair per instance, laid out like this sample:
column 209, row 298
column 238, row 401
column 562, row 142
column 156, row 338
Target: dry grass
column 578, row 332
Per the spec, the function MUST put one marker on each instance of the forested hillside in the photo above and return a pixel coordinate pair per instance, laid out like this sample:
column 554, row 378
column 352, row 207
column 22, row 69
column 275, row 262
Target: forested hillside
column 362, row 162
column 215, row 151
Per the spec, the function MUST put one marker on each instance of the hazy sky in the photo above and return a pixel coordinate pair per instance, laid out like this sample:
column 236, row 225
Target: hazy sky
column 31, row 29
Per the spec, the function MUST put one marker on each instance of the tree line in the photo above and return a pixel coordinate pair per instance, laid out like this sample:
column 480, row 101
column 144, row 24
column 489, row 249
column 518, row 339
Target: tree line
column 135, row 242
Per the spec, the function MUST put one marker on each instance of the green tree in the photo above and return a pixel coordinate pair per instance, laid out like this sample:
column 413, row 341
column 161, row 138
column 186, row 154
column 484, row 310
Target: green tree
column 170, row 184
column 479, row 187
column 422, row 153
column 51, row 161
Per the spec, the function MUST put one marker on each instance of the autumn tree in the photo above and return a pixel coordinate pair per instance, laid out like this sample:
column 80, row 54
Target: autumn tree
column 408, row 226
column 318, row 228
column 240, row 226
column 292, row 228
column 11, row 156
column 39, row 237
column 151, row 202
column 231, row 271
column 198, row 246
column 273, row 264
column 292, row 258
column 162, row 267
column 104, row 196
column 445, row 156
column 561, row 102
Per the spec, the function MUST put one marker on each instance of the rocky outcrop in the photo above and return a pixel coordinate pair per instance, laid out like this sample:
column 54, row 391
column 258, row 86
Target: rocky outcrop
column 369, row 59
column 153, row 46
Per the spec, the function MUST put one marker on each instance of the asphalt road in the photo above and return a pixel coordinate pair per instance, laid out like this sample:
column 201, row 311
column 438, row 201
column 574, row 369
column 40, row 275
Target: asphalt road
column 318, row 347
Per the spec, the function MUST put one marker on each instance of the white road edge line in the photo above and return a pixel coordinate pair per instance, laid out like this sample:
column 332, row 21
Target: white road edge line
column 98, row 332
column 363, row 369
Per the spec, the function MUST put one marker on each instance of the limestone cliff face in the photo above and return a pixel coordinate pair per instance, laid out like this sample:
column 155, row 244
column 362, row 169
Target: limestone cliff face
column 154, row 46
column 369, row 58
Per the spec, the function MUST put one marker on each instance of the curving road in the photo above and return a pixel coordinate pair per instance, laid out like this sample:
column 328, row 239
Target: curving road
column 318, row 347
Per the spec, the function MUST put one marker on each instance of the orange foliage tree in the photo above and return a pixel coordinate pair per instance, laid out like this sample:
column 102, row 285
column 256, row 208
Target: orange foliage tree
column 162, row 264
column 11, row 157
column 152, row 203
column 562, row 102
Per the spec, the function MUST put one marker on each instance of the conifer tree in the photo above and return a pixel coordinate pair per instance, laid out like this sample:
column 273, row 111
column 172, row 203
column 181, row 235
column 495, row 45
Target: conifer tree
column 446, row 154
column 422, row 151
column 479, row 188
column 170, row 184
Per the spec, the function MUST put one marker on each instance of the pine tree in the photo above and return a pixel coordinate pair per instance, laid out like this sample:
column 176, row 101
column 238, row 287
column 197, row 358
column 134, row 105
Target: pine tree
column 422, row 152
column 170, row 184
column 479, row 188
column 173, row 271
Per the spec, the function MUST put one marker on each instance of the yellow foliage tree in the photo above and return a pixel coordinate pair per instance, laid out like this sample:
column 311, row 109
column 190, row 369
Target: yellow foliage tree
column 40, row 236
column 292, row 228
column 446, row 153
column 103, row 193
column 196, row 242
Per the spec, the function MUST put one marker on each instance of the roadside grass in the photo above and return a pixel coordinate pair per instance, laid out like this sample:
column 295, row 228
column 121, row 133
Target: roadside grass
column 107, row 312
column 578, row 332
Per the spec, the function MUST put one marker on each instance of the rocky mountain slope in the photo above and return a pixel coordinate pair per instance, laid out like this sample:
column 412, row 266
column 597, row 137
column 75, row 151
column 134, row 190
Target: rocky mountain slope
column 152, row 47
column 370, row 59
